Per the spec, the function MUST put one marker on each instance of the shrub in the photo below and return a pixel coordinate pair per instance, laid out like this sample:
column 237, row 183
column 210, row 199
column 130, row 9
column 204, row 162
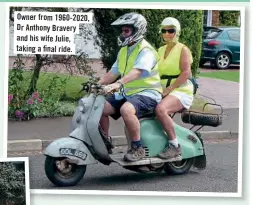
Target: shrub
column 26, row 109
column 229, row 18
column 23, row 107
column 12, row 184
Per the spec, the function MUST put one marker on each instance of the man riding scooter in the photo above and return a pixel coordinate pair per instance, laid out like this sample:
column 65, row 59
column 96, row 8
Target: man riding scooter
column 140, row 93
column 139, row 84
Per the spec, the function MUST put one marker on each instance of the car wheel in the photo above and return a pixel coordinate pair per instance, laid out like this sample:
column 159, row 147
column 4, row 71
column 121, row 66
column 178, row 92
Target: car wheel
column 201, row 63
column 222, row 60
column 212, row 64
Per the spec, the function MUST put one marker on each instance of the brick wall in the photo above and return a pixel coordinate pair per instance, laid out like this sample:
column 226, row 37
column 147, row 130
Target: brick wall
column 215, row 18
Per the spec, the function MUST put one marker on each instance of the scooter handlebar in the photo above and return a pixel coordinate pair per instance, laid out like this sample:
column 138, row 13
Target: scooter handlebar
column 105, row 90
column 91, row 87
column 87, row 86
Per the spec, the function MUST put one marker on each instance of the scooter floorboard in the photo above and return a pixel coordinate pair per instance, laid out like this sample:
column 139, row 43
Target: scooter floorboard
column 119, row 158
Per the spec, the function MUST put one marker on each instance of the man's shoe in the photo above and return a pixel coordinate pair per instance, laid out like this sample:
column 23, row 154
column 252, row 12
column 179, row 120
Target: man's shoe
column 170, row 151
column 135, row 154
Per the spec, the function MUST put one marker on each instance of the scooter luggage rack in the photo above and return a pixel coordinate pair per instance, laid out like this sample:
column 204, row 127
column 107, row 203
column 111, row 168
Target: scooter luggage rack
column 202, row 118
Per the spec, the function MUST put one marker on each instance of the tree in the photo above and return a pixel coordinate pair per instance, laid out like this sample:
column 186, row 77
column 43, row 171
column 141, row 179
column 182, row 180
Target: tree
column 191, row 23
column 229, row 18
column 12, row 184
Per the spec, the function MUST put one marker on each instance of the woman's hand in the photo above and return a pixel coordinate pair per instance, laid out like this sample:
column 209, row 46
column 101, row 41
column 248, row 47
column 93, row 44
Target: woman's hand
column 167, row 91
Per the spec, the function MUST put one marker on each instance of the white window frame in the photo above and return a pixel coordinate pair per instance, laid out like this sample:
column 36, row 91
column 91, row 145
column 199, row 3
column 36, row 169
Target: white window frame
column 209, row 17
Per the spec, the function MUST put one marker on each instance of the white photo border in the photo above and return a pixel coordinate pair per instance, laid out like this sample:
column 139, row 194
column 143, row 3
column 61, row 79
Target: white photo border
column 208, row 6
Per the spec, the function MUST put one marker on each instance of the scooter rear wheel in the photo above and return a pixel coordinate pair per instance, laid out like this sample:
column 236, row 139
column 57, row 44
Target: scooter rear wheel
column 179, row 167
column 62, row 173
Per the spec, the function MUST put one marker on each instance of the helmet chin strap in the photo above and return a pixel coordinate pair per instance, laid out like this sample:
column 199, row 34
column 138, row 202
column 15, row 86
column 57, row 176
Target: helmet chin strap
column 171, row 41
column 174, row 40
column 122, row 39
column 131, row 43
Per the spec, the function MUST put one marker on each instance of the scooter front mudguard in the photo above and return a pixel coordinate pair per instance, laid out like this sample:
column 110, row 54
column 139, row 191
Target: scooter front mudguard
column 71, row 148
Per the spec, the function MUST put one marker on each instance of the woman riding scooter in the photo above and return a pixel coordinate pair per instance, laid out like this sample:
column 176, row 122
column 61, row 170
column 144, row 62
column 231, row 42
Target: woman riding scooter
column 175, row 71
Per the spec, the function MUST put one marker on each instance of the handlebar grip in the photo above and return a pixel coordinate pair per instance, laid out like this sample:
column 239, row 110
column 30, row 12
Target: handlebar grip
column 85, row 87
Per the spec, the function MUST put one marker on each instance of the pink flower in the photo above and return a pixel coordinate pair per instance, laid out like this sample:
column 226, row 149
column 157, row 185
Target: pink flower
column 35, row 95
column 10, row 98
column 30, row 101
column 19, row 114
column 39, row 100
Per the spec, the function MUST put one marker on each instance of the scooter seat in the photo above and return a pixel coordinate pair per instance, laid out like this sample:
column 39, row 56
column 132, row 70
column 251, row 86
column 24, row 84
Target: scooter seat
column 152, row 114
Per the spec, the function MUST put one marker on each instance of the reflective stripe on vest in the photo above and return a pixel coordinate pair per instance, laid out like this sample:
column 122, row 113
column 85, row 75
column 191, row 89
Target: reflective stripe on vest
column 170, row 67
column 127, row 64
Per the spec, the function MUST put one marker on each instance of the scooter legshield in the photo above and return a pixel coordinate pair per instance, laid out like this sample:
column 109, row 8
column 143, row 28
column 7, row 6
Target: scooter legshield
column 71, row 148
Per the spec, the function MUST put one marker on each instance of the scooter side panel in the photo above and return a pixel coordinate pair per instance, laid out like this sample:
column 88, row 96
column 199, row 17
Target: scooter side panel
column 71, row 148
column 93, row 131
column 191, row 145
column 152, row 136
column 155, row 138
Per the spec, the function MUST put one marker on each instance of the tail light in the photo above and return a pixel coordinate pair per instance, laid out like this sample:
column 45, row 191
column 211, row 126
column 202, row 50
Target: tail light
column 213, row 43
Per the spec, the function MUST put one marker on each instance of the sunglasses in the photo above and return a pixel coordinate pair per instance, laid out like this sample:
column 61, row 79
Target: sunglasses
column 172, row 30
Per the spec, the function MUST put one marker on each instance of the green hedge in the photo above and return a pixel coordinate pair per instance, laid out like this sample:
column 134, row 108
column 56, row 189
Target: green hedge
column 191, row 22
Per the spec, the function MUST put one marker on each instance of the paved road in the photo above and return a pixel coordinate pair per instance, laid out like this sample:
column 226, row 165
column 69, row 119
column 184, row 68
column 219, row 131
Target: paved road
column 220, row 175
column 55, row 128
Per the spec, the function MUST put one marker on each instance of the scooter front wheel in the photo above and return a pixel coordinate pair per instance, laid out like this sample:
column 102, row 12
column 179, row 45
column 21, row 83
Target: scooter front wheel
column 63, row 173
column 178, row 167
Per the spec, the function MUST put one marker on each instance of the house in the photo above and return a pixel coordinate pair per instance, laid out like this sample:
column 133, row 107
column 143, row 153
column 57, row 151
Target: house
column 212, row 18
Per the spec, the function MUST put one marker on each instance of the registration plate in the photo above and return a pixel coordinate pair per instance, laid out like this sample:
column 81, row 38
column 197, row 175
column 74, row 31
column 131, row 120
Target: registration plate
column 73, row 152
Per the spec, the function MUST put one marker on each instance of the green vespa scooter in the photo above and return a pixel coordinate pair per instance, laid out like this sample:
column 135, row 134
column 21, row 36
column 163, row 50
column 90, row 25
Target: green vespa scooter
column 67, row 158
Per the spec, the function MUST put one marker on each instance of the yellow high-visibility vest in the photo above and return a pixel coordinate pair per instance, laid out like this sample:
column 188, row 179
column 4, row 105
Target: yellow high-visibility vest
column 125, row 65
column 170, row 67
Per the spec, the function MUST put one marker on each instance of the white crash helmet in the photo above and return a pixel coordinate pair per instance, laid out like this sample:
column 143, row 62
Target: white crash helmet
column 139, row 24
column 170, row 21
